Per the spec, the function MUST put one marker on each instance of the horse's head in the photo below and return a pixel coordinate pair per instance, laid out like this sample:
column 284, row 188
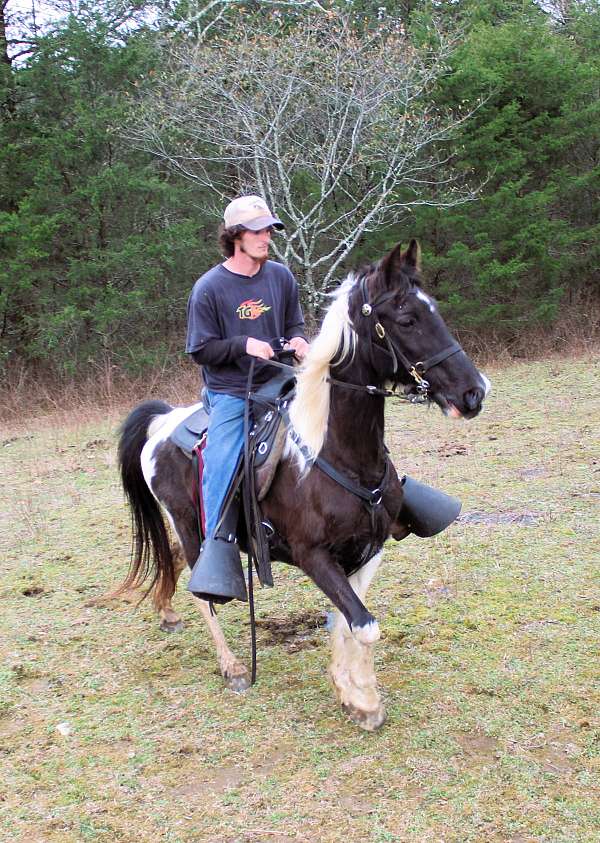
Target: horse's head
column 403, row 338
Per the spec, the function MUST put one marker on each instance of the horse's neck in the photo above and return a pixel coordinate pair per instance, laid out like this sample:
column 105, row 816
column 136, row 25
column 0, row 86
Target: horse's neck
column 355, row 432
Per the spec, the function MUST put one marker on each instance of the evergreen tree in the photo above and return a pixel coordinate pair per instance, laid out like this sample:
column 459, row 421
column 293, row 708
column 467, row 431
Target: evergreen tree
column 508, row 260
column 98, row 244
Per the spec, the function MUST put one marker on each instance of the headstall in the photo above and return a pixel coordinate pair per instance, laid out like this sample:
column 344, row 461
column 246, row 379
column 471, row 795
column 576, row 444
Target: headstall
column 415, row 370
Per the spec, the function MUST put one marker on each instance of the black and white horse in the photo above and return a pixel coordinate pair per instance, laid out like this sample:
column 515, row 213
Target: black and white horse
column 381, row 328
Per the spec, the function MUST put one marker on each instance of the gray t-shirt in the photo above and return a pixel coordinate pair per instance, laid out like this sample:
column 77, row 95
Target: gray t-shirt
column 225, row 308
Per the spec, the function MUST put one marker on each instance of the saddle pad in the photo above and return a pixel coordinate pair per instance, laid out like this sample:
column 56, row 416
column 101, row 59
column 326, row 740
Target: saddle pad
column 190, row 431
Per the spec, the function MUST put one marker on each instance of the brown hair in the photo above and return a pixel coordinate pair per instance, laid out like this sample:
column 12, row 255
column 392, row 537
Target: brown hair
column 227, row 237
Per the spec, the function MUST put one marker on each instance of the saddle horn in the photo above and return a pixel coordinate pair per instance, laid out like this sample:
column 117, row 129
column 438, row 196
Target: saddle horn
column 426, row 511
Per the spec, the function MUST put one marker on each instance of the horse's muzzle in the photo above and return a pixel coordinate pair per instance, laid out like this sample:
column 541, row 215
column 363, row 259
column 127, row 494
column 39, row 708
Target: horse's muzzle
column 473, row 399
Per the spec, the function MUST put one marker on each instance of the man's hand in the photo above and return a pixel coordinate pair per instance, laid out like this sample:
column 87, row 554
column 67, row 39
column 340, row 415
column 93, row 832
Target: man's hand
column 300, row 347
column 258, row 348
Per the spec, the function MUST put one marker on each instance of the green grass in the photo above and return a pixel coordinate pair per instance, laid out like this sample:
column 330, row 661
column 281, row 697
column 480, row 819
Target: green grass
column 489, row 660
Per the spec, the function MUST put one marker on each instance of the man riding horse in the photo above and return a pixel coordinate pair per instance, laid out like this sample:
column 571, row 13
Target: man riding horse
column 238, row 310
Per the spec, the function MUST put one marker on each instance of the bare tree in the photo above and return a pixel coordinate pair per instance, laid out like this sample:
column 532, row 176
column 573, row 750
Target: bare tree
column 336, row 130
column 204, row 18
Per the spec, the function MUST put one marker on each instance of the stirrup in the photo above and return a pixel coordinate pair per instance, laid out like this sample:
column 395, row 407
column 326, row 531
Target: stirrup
column 217, row 574
column 426, row 511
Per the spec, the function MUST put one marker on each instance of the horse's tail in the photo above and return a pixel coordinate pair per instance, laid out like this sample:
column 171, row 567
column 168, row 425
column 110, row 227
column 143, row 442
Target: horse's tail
column 151, row 548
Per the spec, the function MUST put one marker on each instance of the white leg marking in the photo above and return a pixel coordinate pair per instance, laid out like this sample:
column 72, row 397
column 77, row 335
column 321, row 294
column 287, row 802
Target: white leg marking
column 234, row 672
column 368, row 634
column 352, row 668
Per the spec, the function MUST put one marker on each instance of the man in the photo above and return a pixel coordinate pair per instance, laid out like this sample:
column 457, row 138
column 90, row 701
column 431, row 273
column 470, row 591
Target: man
column 237, row 310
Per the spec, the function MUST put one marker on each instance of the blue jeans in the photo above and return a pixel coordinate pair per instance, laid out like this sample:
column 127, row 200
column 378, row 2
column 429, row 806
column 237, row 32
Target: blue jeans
column 224, row 442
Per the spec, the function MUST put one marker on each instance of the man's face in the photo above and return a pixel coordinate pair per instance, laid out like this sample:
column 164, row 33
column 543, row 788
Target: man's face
column 255, row 244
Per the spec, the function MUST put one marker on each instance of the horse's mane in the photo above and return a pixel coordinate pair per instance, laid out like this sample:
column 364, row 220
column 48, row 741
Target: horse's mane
column 309, row 411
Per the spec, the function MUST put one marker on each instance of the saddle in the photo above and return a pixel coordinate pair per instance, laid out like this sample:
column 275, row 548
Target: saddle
column 267, row 433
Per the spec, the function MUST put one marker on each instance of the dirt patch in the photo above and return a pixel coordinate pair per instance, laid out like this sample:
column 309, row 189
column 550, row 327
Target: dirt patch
column 555, row 751
column 448, row 450
column 297, row 631
column 97, row 443
column 532, row 473
column 521, row 519
column 220, row 780
column 478, row 748
column 35, row 591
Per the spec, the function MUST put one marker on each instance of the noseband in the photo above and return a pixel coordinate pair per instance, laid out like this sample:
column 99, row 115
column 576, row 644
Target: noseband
column 415, row 370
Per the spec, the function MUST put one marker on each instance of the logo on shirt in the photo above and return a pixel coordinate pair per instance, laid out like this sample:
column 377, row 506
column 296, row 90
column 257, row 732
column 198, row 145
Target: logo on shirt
column 252, row 309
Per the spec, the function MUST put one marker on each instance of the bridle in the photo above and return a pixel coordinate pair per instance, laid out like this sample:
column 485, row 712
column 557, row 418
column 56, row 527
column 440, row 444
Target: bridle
column 369, row 310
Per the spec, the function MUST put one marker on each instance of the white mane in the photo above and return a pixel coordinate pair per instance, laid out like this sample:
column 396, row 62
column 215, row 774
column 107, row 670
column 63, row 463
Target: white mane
column 309, row 411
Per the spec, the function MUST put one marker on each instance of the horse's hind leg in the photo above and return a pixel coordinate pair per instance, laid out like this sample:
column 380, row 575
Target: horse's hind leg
column 352, row 661
column 169, row 619
column 234, row 672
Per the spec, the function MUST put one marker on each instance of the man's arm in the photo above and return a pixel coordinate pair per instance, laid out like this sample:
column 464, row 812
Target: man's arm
column 215, row 352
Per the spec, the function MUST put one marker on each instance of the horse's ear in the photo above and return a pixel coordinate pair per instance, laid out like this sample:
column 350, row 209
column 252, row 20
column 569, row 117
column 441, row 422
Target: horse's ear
column 391, row 265
column 412, row 256
column 397, row 261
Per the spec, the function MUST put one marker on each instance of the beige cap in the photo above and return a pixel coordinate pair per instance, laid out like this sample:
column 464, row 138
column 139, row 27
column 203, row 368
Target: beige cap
column 251, row 212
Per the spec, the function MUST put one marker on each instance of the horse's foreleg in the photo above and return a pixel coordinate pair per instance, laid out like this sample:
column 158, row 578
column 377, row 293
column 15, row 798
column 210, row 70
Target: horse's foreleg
column 354, row 633
column 352, row 667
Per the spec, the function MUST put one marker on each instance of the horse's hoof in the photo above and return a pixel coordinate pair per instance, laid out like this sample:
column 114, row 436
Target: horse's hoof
column 237, row 683
column 370, row 721
column 171, row 626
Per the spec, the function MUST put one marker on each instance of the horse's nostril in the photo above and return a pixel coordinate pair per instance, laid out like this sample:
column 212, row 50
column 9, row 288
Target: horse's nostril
column 473, row 398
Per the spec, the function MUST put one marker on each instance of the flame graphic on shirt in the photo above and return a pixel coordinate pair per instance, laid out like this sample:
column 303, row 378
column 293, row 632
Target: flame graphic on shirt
column 252, row 309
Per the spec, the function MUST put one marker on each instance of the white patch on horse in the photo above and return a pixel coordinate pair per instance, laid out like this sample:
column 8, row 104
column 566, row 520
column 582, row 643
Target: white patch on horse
column 361, row 579
column 487, row 383
column 424, row 298
column 170, row 422
column 309, row 411
column 367, row 634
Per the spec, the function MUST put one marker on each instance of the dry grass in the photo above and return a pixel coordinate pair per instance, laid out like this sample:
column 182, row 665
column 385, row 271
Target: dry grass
column 112, row 731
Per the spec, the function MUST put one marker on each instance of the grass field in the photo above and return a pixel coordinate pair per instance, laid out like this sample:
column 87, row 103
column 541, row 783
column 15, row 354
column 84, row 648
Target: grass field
column 489, row 660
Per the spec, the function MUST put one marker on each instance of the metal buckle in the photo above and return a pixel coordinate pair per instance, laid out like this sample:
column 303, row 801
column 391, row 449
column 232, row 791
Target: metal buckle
column 269, row 529
column 414, row 373
column 380, row 330
column 375, row 501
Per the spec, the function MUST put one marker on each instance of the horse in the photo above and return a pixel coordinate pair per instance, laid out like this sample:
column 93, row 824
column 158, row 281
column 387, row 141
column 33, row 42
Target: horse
column 380, row 330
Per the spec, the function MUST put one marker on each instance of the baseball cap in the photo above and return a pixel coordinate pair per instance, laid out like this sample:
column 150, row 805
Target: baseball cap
column 252, row 212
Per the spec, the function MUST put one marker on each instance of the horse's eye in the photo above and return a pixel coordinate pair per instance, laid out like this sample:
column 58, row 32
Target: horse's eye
column 405, row 321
